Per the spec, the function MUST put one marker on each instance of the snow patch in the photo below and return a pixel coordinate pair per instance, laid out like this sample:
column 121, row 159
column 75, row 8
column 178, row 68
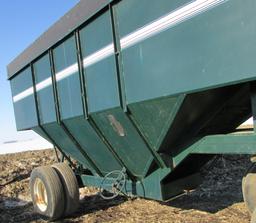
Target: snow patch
column 248, row 122
column 28, row 145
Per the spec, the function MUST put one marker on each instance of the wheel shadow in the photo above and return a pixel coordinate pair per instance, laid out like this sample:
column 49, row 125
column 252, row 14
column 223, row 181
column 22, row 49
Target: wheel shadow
column 221, row 188
column 93, row 203
column 16, row 210
column 211, row 203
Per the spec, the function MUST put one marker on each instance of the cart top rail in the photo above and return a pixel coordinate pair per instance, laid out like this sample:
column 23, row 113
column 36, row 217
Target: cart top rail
column 84, row 10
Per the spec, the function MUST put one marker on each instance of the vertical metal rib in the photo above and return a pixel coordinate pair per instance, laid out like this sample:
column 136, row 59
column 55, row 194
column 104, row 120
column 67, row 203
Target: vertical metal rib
column 63, row 126
column 39, row 120
column 121, row 86
column 118, row 59
column 90, row 121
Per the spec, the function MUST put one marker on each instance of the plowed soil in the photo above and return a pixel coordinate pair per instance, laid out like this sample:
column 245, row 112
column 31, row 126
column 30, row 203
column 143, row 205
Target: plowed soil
column 217, row 200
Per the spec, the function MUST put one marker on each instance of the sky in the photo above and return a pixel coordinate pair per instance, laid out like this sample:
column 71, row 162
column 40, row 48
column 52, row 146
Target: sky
column 21, row 23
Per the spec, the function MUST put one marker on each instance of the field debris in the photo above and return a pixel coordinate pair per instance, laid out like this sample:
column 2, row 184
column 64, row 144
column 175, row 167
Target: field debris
column 217, row 200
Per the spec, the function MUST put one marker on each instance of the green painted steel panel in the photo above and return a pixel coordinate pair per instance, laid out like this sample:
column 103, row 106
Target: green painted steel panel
column 69, row 90
column 24, row 108
column 65, row 143
column 243, row 143
column 102, row 88
column 163, row 76
column 101, row 76
column 96, row 35
column 132, row 15
column 25, row 113
column 40, row 132
column 70, row 103
column 226, row 144
column 21, row 81
column 46, row 105
column 92, row 144
column 103, row 96
column 154, row 118
column 199, row 53
column 125, row 140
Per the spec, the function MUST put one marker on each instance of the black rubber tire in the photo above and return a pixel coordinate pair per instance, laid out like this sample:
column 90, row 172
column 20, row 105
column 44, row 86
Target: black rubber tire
column 249, row 190
column 54, row 190
column 70, row 185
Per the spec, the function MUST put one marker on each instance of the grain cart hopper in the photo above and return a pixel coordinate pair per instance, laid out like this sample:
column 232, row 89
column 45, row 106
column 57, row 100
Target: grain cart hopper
column 138, row 96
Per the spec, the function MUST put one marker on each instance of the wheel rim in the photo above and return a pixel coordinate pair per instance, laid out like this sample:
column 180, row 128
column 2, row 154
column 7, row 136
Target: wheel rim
column 40, row 194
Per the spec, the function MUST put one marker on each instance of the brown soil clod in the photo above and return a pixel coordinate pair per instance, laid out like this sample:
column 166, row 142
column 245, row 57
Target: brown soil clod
column 217, row 200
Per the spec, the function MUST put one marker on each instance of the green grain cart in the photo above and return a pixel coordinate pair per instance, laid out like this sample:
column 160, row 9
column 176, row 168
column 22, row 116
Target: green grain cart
column 137, row 96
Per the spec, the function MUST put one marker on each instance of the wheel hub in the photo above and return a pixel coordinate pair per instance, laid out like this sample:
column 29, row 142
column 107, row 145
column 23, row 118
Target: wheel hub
column 41, row 199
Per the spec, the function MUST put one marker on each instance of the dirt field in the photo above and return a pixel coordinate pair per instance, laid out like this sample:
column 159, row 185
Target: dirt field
column 218, row 200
